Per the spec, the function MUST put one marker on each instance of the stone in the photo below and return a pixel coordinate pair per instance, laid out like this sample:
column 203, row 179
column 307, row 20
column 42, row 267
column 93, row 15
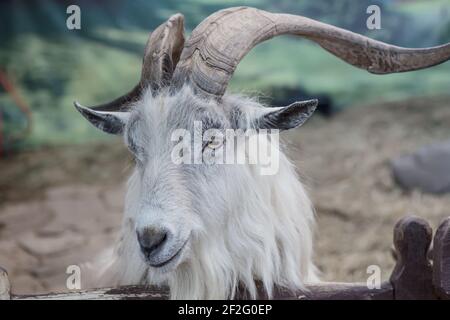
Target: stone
column 427, row 169
column 14, row 259
column 26, row 284
column 50, row 245
column 78, row 208
column 23, row 217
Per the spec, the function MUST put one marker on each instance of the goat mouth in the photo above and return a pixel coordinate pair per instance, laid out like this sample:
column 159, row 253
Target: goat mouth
column 172, row 258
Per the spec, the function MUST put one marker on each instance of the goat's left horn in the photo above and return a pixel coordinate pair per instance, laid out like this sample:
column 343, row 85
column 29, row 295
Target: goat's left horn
column 161, row 55
column 218, row 44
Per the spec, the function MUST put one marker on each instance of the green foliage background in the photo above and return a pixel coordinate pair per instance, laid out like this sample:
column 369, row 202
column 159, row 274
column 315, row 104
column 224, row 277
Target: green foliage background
column 51, row 66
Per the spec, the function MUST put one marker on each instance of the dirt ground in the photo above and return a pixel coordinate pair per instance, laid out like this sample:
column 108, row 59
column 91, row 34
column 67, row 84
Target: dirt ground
column 61, row 206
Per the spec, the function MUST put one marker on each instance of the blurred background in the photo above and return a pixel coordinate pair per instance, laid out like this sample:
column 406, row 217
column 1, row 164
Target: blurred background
column 62, row 181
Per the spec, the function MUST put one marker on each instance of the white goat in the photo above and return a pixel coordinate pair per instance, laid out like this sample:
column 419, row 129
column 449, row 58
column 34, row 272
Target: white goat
column 209, row 230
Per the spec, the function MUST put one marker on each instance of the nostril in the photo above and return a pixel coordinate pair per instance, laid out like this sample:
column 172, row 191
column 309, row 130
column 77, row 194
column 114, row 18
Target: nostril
column 150, row 239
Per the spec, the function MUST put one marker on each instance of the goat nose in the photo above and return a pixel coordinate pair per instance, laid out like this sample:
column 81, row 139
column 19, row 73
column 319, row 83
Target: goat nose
column 151, row 239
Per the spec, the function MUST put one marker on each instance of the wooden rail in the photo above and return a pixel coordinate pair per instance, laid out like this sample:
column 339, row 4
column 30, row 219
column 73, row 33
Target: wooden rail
column 420, row 273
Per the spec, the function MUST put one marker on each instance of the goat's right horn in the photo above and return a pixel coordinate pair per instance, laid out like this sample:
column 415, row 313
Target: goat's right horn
column 161, row 55
column 218, row 44
column 162, row 52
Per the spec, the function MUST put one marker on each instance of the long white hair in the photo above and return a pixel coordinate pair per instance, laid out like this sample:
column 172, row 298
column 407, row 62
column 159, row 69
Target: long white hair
column 261, row 229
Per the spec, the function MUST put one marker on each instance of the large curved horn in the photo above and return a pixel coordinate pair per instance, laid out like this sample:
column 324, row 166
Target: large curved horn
column 162, row 52
column 218, row 44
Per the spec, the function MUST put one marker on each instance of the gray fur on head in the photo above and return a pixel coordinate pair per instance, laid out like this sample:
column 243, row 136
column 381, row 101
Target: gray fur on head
column 233, row 225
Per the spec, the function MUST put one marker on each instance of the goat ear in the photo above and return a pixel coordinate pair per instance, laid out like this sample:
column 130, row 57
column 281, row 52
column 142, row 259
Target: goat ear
column 107, row 121
column 291, row 116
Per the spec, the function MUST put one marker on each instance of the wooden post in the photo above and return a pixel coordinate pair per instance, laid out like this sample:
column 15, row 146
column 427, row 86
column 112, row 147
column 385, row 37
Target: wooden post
column 5, row 288
column 412, row 275
column 441, row 260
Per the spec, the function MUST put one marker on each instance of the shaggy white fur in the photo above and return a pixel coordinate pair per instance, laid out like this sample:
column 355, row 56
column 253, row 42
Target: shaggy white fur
column 242, row 227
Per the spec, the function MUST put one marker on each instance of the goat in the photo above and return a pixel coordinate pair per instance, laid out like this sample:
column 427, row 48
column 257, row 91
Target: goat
column 207, row 230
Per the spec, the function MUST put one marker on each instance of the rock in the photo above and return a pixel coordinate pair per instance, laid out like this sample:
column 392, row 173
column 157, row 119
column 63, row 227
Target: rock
column 23, row 217
column 50, row 245
column 89, row 251
column 427, row 169
column 79, row 208
column 15, row 259
column 26, row 284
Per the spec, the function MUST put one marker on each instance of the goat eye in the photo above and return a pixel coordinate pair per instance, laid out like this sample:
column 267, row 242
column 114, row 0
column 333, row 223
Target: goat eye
column 214, row 143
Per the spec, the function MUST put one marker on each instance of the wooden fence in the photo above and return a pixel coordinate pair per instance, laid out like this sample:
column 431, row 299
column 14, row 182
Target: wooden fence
column 419, row 273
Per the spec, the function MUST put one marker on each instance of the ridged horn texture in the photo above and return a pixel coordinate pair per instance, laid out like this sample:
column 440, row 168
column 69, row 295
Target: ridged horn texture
column 162, row 53
column 218, row 44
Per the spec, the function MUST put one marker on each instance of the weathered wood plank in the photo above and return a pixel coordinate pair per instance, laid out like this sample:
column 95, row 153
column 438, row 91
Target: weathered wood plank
column 325, row 291
column 5, row 287
column 320, row 291
column 120, row 293
column 348, row 291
